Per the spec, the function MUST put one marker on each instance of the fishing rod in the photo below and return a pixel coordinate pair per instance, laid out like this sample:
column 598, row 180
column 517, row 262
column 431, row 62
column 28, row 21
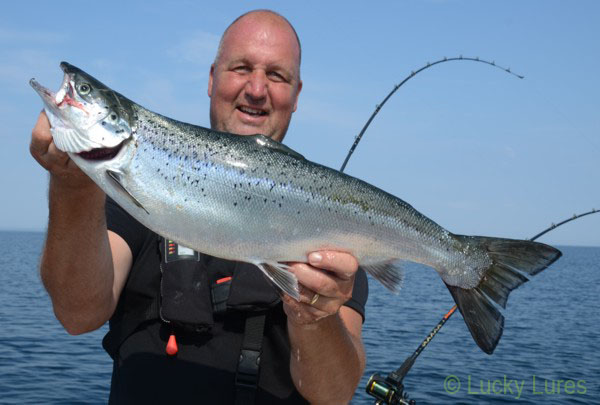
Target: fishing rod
column 390, row 389
column 413, row 74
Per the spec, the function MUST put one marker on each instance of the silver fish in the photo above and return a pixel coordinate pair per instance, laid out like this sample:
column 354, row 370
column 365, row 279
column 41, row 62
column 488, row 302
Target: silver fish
column 252, row 199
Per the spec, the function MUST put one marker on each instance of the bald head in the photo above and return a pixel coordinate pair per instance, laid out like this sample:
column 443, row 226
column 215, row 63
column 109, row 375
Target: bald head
column 260, row 17
column 254, row 82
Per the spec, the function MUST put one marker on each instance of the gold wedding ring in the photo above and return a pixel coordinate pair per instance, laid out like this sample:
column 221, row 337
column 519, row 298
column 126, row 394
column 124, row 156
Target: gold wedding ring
column 314, row 299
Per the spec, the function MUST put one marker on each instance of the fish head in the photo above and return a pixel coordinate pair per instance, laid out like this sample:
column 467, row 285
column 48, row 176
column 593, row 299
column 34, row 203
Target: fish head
column 87, row 118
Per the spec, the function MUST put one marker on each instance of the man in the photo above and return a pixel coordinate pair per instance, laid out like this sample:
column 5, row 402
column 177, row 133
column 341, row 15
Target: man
column 254, row 85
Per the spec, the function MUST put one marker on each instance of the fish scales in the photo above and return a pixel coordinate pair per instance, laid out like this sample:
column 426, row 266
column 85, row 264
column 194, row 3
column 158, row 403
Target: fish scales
column 270, row 193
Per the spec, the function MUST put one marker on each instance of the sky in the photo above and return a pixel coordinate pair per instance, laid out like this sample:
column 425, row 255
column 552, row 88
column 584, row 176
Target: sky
column 477, row 150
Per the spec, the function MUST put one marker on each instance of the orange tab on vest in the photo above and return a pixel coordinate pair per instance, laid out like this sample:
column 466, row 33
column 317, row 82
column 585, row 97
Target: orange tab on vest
column 172, row 346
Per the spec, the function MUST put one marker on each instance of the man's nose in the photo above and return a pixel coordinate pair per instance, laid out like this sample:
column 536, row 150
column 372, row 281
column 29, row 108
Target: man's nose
column 256, row 87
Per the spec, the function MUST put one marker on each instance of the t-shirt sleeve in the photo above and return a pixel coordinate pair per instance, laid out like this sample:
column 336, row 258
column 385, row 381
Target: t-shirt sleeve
column 126, row 226
column 360, row 293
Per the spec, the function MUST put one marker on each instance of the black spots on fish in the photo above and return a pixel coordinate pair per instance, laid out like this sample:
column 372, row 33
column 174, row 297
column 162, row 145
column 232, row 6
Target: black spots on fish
column 279, row 205
column 272, row 186
column 265, row 200
column 119, row 131
column 298, row 212
column 158, row 170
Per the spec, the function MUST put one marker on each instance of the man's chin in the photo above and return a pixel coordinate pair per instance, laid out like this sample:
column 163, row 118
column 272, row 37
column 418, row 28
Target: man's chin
column 242, row 129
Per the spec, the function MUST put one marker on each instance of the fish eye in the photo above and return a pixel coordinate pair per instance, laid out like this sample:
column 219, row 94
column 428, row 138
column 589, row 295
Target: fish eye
column 113, row 116
column 84, row 89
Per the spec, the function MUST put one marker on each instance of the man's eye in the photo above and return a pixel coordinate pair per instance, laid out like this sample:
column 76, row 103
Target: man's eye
column 276, row 77
column 241, row 69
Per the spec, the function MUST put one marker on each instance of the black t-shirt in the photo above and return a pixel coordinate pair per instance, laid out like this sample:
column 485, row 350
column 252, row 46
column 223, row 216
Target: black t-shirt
column 204, row 369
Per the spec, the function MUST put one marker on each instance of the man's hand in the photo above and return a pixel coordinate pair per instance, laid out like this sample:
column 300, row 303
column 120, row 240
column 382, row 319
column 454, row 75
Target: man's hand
column 57, row 162
column 83, row 266
column 329, row 274
column 327, row 356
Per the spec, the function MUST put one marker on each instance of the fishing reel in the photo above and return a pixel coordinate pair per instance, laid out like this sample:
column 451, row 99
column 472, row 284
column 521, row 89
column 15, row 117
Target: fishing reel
column 388, row 390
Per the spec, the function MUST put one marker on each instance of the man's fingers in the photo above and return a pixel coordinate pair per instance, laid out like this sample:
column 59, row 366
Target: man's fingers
column 57, row 157
column 41, row 137
column 344, row 265
column 316, row 279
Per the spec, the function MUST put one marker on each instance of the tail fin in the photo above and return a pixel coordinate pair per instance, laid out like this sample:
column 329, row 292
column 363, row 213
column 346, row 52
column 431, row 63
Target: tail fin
column 510, row 259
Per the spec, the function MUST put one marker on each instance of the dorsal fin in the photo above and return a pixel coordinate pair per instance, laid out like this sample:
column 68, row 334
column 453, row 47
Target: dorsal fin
column 267, row 142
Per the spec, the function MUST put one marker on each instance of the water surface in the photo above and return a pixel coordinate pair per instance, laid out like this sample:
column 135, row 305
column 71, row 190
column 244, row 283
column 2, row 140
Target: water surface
column 551, row 333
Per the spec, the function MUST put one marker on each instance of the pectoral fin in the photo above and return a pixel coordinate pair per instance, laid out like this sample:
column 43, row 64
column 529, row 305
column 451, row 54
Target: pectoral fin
column 116, row 177
column 279, row 274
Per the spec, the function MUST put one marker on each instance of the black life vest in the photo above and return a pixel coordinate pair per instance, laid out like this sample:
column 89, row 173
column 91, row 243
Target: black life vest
column 174, row 290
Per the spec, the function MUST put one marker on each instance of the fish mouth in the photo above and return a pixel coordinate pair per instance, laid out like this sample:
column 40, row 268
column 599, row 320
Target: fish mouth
column 62, row 98
column 99, row 154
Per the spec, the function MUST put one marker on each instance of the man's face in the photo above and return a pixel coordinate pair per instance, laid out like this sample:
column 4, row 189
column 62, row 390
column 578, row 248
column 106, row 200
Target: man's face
column 254, row 84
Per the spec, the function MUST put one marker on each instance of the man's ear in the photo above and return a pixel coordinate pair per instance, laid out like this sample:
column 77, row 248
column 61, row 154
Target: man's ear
column 297, row 95
column 210, row 79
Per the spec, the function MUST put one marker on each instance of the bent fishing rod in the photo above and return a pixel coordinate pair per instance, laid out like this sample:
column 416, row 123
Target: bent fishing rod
column 410, row 76
column 390, row 389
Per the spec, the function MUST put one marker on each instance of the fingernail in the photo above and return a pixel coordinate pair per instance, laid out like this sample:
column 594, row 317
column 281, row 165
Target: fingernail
column 315, row 258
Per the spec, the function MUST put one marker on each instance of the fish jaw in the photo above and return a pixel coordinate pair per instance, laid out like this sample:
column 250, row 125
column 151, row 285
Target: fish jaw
column 81, row 122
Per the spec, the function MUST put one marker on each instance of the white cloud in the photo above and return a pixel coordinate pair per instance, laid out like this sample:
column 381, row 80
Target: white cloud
column 38, row 37
column 510, row 152
column 198, row 47
column 18, row 66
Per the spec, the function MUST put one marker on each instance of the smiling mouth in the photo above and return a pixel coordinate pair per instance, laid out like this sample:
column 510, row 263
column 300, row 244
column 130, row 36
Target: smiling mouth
column 254, row 112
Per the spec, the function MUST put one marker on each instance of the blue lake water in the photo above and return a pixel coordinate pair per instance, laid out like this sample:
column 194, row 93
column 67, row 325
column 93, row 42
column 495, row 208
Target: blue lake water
column 551, row 338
